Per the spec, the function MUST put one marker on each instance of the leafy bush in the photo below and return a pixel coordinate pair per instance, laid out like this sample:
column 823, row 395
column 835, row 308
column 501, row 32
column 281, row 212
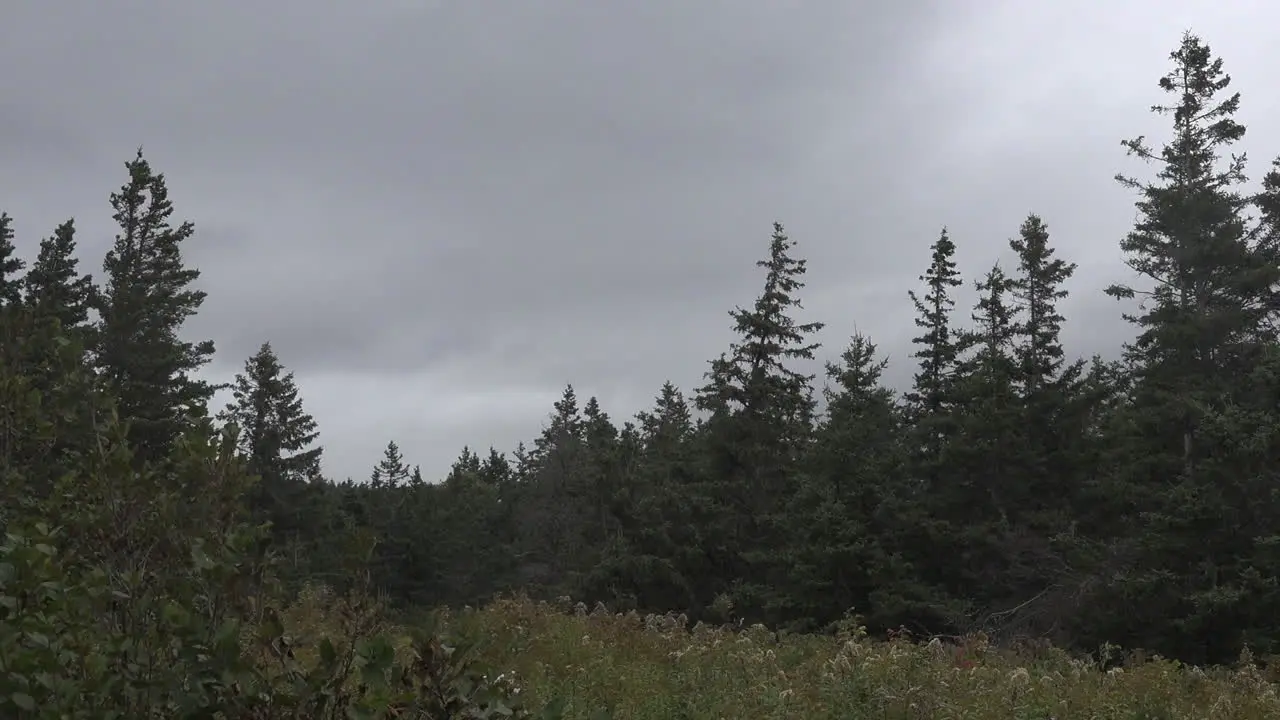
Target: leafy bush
column 62, row 654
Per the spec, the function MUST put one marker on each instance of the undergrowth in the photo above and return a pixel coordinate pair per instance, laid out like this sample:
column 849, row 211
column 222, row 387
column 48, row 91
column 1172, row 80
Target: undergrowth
column 73, row 644
column 601, row 664
column 77, row 643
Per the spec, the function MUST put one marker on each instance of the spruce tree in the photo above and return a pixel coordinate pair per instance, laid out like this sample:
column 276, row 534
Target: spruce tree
column 391, row 471
column 862, row 425
column 558, row 444
column 525, row 465
column 51, row 358
column 51, row 409
column 761, row 423
column 771, row 404
column 557, row 507
column 668, row 423
column 54, row 287
column 1203, row 501
column 146, row 301
column 1059, row 402
column 603, row 467
column 1198, row 324
column 993, row 331
column 393, row 508
column 495, row 469
column 844, row 525
column 986, row 461
column 657, row 561
column 277, row 440
column 277, row 435
column 1038, row 288
column 1050, row 387
column 10, row 265
column 928, row 402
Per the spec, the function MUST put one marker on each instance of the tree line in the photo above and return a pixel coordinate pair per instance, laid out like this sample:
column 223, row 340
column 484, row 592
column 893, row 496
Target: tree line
column 1012, row 490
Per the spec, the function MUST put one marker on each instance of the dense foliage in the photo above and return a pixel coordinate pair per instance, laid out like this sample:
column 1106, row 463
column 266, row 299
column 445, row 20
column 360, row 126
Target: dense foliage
column 156, row 550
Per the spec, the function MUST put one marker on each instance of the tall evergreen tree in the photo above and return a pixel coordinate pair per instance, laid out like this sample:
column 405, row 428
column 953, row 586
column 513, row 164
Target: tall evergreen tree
column 147, row 299
column 277, row 440
column 928, row 401
column 842, row 523
column 496, row 469
column 525, row 463
column 277, row 435
column 462, row 530
column 1203, row 328
column 51, row 410
column 604, row 466
column 399, row 513
column 1038, row 287
column 993, row 332
column 657, row 549
column 670, row 420
column 1200, row 316
column 51, row 362
column 10, row 265
column 54, row 286
column 859, row 447
column 761, row 423
column 768, row 404
column 391, row 470
column 1050, row 387
column 557, row 447
column 1053, row 426
column 465, row 470
column 986, row 460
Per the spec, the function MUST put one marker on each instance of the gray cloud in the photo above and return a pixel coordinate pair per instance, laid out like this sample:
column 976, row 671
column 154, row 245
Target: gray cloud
column 441, row 212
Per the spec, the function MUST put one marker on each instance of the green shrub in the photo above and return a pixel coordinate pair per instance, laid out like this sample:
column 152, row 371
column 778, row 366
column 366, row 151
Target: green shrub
column 62, row 654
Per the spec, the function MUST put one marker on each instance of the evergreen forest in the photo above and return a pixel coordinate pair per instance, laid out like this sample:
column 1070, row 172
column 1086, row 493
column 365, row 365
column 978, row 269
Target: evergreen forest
column 1014, row 491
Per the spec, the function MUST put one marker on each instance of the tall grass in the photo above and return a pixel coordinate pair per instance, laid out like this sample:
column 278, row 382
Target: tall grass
column 605, row 665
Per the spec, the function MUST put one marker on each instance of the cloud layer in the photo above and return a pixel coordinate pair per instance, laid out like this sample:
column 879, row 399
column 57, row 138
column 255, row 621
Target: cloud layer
column 441, row 212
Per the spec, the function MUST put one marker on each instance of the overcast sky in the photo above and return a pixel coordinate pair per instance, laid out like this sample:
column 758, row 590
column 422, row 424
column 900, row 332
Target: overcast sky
column 439, row 212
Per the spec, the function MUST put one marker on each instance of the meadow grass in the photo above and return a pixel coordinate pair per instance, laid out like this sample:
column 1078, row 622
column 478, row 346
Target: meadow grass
column 627, row 666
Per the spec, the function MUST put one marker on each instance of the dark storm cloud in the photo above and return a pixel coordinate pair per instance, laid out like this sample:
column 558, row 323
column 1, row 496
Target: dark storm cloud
column 441, row 212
